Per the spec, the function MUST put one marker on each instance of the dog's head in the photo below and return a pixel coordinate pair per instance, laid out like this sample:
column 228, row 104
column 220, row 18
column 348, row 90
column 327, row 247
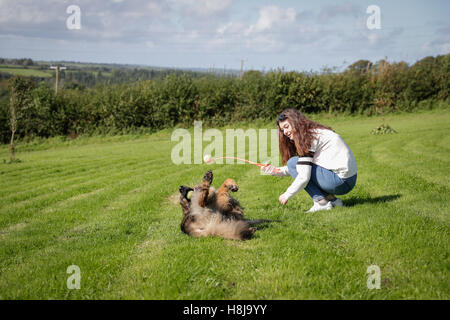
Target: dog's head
column 231, row 185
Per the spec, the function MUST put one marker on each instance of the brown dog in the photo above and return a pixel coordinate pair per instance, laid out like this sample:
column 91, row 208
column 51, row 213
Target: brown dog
column 211, row 212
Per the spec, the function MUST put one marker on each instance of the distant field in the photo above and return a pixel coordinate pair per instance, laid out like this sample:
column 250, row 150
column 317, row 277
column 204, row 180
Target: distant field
column 26, row 72
column 95, row 73
column 30, row 72
column 108, row 205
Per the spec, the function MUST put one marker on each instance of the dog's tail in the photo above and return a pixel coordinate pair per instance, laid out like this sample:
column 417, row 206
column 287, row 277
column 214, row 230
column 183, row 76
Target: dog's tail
column 259, row 221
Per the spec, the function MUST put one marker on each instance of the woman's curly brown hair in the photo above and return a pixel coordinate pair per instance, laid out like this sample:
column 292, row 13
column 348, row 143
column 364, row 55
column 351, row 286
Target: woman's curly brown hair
column 303, row 134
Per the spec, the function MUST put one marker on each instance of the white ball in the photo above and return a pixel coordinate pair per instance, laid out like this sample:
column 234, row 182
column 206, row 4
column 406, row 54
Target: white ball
column 207, row 158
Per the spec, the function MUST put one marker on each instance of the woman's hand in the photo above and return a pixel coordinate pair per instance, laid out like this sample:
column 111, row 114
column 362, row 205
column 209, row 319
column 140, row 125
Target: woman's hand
column 268, row 169
column 282, row 200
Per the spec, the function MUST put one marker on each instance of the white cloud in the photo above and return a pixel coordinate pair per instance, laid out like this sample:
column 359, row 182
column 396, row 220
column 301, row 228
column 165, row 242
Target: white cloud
column 270, row 33
column 233, row 27
column 128, row 21
column 27, row 12
column 272, row 17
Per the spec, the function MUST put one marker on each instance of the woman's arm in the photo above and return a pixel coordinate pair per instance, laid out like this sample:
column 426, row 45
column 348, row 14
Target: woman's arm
column 303, row 167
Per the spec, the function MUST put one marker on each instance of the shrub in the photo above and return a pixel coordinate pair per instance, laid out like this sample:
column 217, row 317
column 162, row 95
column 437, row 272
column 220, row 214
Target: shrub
column 179, row 99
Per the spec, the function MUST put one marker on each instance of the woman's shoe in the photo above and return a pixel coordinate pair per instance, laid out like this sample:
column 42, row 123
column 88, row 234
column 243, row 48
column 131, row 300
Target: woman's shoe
column 318, row 207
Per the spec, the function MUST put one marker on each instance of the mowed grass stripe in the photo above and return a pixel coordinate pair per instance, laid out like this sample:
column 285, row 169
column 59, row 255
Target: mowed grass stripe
column 42, row 193
column 412, row 162
column 44, row 187
column 100, row 166
column 51, row 171
column 416, row 191
column 81, row 174
column 58, row 170
column 88, row 152
column 14, row 212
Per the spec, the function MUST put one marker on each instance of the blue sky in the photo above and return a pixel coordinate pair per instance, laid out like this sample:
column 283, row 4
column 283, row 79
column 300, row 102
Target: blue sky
column 294, row 35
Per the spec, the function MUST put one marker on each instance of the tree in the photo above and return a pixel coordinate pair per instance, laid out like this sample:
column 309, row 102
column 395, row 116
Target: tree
column 360, row 66
column 19, row 89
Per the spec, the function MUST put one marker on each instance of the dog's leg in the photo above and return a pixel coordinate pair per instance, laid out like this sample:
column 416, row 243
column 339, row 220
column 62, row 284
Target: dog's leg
column 185, row 206
column 226, row 203
column 207, row 180
column 185, row 223
column 184, row 201
column 236, row 210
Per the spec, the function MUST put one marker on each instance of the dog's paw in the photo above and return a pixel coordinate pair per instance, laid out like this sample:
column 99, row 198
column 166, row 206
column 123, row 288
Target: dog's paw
column 208, row 177
column 231, row 185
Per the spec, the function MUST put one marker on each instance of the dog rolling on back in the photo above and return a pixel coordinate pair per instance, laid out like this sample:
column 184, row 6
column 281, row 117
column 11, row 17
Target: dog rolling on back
column 211, row 212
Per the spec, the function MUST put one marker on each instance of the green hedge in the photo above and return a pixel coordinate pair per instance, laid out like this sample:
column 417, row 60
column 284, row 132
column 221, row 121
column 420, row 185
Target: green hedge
column 363, row 88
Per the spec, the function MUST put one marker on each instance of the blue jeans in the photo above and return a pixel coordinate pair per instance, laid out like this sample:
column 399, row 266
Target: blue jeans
column 323, row 181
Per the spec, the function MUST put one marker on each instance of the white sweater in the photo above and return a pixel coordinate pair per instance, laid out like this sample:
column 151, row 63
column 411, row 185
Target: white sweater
column 330, row 152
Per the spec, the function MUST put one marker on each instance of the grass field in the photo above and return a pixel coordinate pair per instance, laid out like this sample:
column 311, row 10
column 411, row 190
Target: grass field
column 108, row 205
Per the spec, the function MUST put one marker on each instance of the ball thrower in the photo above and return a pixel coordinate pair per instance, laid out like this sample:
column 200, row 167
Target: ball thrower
column 208, row 159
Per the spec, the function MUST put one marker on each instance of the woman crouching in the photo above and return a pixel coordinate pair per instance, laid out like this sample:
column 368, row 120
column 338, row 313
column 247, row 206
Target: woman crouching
column 316, row 158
